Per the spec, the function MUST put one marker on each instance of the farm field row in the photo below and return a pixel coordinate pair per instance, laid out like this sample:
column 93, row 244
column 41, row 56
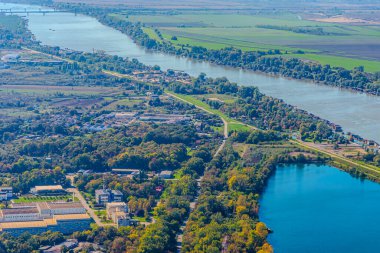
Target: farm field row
column 341, row 45
column 338, row 61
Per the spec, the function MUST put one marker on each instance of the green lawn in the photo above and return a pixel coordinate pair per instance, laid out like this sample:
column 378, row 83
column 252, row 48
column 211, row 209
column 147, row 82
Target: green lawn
column 193, row 100
column 43, row 199
column 151, row 33
column 233, row 125
column 239, row 127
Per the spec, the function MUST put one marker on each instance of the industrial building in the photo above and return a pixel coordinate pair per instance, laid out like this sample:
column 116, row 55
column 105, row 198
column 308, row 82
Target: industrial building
column 39, row 217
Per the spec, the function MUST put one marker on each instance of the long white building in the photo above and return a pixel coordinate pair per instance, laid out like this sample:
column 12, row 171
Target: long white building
column 65, row 217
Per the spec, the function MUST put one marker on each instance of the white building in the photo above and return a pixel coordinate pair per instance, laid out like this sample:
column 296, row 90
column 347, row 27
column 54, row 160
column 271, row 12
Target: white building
column 121, row 219
column 6, row 193
column 116, row 207
column 166, row 174
column 3, row 196
column 118, row 212
column 39, row 211
column 21, row 214
column 49, row 209
column 10, row 58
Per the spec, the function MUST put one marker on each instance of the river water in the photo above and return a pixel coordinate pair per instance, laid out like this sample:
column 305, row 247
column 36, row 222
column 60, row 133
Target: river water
column 355, row 112
column 319, row 209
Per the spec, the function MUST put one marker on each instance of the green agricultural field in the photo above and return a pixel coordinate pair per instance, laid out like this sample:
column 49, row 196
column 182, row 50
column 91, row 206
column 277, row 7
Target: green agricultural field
column 152, row 34
column 342, row 45
column 337, row 61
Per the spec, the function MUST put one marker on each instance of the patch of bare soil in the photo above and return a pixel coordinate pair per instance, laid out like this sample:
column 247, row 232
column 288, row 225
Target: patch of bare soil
column 344, row 20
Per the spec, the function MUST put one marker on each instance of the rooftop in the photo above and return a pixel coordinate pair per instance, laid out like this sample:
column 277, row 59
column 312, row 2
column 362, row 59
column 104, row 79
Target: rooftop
column 23, row 205
column 81, row 216
column 48, row 188
column 10, row 211
column 24, row 224
column 102, row 191
column 120, row 214
column 42, row 205
column 166, row 172
column 117, row 192
column 126, row 170
column 59, row 205
column 116, row 204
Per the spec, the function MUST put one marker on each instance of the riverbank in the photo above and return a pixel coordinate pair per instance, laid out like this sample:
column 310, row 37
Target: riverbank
column 270, row 62
column 358, row 116
column 353, row 167
column 234, row 125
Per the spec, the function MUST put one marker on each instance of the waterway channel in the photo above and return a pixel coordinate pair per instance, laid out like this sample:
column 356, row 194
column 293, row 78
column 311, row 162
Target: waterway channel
column 355, row 112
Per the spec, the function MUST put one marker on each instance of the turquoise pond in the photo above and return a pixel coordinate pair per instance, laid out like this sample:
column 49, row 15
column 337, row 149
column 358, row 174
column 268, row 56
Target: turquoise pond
column 318, row 208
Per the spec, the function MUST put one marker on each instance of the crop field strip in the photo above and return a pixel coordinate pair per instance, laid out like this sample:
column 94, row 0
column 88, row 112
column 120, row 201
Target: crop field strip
column 346, row 45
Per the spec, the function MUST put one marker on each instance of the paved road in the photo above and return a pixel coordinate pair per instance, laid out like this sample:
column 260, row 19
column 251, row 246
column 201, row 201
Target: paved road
column 90, row 211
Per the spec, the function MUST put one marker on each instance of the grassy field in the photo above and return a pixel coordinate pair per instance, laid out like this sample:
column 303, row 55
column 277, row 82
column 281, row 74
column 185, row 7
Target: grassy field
column 342, row 45
column 337, row 61
column 233, row 125
column 152, row 34
column 42, row 199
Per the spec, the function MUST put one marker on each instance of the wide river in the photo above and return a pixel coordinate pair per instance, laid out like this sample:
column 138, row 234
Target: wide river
column 319, row 209
column 356, row 112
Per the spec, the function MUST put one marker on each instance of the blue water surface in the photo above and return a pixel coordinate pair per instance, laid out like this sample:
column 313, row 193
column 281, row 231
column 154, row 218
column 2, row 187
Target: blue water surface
column 318, row 208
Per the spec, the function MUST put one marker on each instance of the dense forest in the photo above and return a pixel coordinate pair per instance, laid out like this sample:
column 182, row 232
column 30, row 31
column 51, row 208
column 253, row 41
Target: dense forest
column 135, row 146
